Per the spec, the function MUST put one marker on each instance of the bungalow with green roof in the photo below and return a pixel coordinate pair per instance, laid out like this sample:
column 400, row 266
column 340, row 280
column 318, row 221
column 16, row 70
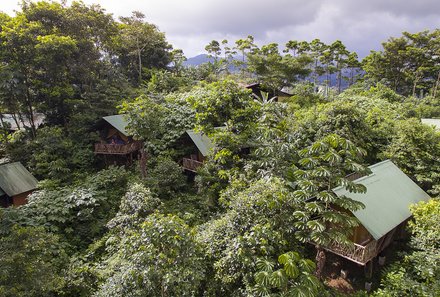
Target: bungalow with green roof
column 115, row 140
column 16, row 184
column 389, row 194
column 200, row 145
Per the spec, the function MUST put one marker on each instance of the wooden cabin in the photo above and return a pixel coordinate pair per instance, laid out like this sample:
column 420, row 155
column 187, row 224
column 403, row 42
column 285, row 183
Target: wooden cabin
column 16, row 184
column 389, row 194
column 432, row 122
column 258, row 90
column 115, row 140
column 199, row 146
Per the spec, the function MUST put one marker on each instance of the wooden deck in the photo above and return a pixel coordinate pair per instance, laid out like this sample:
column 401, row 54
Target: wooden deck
column 190, row 164
column 360, row 254
column 117, row 149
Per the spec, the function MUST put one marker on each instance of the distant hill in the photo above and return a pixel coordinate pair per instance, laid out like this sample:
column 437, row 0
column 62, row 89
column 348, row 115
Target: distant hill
column 203, row 58
column 197, row 60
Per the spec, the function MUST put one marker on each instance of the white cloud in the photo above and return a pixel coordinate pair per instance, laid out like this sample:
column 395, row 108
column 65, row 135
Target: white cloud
column 361, row 25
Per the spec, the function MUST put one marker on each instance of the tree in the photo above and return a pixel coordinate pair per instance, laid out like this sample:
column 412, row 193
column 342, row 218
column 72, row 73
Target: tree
column 57, row 58
column 214, row 50
column 340, row 54
column 344, row 117
column 166, row 178
column 137, row 203
column 18, row 43
column 316, row 48
column 354, row 66
column 228, row 58
column 244, row 45
column 158, row 258
column 159, row 122
column 141, row 44
column 324, row 217
column 415, row 148
column 57, row 156
column 275, row 70
column 221, row 103
column 417, row 274
column 407, row 64
column 78, row 214
column 32, row 263
column 257, row 224
column 292, row 45
column 178, row 58
column 294, row 278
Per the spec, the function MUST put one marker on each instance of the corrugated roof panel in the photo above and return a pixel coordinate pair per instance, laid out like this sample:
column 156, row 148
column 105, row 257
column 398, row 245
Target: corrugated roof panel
column 432, row 122
column 202, row 141
column 15, row 179
column 389, row 194
column 119, row 122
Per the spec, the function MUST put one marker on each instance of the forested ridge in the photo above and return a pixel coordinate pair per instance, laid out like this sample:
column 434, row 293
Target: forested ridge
column 243, row 223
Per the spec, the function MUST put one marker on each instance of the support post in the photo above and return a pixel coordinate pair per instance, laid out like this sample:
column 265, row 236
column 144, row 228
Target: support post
column 320, row 261
column 369, row 269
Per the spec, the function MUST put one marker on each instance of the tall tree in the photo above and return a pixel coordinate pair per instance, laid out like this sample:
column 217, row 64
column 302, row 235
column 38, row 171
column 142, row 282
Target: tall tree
column 244, row 46
column 408, row 63
column 325, row 218
column 275, row 70
column 340, row 54
column 141, row 44
column 56, row 56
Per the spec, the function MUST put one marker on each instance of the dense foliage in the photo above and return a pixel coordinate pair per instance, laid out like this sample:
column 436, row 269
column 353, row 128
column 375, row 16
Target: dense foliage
column 243, row 223
column 418, row 273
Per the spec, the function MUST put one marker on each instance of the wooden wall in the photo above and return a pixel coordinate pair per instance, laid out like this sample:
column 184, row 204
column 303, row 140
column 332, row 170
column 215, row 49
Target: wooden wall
column 20, row 199
column 361, row 235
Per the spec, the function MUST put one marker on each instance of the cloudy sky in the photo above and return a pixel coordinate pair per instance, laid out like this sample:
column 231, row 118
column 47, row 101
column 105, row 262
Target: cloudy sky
column 360, row 24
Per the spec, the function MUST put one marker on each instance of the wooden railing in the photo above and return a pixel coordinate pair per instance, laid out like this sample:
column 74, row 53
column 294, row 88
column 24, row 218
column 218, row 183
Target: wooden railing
column 117, row 149
column 357, row 253
column 190, row 164
column 355, row 176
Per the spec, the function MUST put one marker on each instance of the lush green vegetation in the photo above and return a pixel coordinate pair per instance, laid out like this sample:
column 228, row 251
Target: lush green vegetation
column 240, row 227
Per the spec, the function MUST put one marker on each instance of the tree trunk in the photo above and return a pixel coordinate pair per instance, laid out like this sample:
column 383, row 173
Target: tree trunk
column 315, row 76
column 30, row 110
column 14, row 117
column 416, row 80
column 139, row 50
column 19, row 120
column 3, row 126
column 143, row 162
column 320, row 261
column 436, row 85
column 339, row 81
column 351, row 76
column 140, row 67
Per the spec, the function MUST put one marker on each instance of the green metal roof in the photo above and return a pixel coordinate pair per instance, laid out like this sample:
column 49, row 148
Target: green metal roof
column 432, row 122
column 389, row 194
column 202, row 141
column 119, row 122
column 15, row 179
